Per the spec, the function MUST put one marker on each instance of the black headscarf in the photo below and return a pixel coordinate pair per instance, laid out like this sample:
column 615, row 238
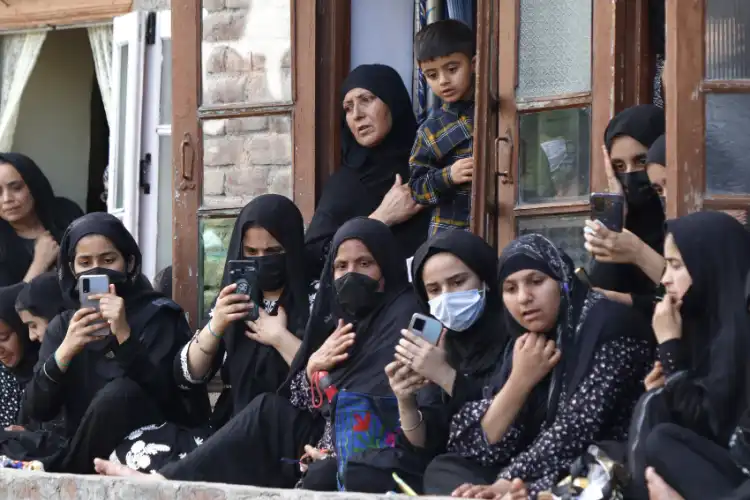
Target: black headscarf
column 478, row 349
column 644, row 123
column 254, row 368
column 366, row 174
column 379, row 331
column 715, row 248
column 163, row 281
column 136, row 290
column 24, row 369
column 54, row 213
column 657, row 153
column 585, row 321
column 42, row 297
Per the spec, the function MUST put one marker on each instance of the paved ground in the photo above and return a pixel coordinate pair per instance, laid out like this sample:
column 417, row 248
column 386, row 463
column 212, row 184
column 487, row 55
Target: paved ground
column 19, row 485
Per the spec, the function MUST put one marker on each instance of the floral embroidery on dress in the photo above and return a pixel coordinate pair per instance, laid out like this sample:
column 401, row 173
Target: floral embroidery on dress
column 139, row 456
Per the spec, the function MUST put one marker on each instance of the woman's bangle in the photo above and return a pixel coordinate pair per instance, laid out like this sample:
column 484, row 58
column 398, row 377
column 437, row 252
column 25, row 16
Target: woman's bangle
column 211, row 331
column 415, row 426
column 60, row 363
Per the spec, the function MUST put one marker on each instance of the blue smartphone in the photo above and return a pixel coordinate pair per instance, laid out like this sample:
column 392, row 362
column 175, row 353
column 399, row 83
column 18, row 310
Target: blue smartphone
column 426, row 327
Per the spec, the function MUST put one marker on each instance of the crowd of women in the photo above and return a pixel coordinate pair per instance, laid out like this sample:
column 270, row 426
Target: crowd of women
column 540, row 384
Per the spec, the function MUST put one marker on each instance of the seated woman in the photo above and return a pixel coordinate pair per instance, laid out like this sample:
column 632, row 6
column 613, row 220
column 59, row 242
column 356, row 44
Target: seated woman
column 377, row 132
column 18, row 355
column 363, row 300
column 32, row 220
column 253, row 357
column 109, row 370
column 629, row 264
column 39, row 301
column 572, row 378
column 455, row 275
column 701, row 327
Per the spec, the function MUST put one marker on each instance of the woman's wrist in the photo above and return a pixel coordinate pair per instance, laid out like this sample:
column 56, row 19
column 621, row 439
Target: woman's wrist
column 447, row 378
column 63, row 356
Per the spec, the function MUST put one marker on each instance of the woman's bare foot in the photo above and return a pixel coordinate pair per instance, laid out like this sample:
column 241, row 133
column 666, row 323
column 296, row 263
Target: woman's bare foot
column 658, row 489
column 107, row 468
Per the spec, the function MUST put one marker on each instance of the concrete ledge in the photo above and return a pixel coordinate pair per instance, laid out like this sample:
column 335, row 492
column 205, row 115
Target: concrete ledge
column 22, row 485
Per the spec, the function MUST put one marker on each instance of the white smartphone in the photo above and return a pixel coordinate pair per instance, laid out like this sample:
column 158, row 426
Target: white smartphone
column 92, row 285
column 426, row 327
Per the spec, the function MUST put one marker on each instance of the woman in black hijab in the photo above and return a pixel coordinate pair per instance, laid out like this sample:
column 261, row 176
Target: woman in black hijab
column 106, row 386
column 455, row 276
column 32, row 220
column 365, row 285
column 701, row 326
column 39, row 301
column 656, row 166
column 377, row 133
column 571, row 378
column 17, row 355
column 629, row 264
column 252, row 357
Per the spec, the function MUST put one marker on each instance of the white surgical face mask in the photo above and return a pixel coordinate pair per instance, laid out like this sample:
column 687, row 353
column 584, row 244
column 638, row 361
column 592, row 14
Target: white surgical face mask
column 457, row 311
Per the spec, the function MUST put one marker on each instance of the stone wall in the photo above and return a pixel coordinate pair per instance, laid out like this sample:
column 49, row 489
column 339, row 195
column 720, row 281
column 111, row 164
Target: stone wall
column 16, row 485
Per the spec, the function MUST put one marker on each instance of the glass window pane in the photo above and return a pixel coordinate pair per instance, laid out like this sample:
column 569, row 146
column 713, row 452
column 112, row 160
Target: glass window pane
column 554, row 47
column 214, row 244
column 244, row 158
column 566, row 231
column 727, row 146
column 727, row 30
column 165, row 100
column 246, row 52
column 554, row 155
column 122, row 126
column 164, row 220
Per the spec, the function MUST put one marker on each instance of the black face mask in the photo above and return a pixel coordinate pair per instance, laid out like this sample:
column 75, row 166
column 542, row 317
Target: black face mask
column 117, row 278
column 357, row 294
column 271, row 271
column 637, row 185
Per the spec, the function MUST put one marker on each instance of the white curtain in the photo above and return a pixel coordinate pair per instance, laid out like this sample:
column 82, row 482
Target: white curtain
column 101, row 46
column 19, row 54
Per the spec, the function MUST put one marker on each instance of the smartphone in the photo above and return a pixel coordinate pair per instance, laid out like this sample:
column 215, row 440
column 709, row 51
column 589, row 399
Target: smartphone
column 609, row 208
column 92, row 285
column 244, row 273
column 582, row 275
column 426, row 327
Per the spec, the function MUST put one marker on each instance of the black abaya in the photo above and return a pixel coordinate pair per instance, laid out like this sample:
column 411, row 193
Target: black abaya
column 263, row 427
column 55, row 214
column 475, row 354
column 707, row 390
column 357, row 188
column 644, row 123
column 103, row 392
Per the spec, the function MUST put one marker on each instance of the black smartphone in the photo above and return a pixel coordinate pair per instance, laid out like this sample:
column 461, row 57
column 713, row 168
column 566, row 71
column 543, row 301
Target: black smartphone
column 244, row 273
column 609, row 209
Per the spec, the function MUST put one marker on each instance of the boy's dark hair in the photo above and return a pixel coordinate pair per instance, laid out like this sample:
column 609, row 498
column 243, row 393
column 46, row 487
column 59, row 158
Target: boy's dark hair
column 443, row 38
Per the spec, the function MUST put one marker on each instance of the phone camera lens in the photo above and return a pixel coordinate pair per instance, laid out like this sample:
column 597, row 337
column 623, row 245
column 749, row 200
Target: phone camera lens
column 86, row 286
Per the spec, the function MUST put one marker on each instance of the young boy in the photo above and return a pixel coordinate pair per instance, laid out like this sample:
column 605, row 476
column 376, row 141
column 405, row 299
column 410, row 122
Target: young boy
column 441, row 161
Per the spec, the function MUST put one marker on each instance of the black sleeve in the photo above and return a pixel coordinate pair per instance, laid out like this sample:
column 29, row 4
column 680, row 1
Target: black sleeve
column 44, row 396
column 672, row 356
column 149, row 361
column 644, row 304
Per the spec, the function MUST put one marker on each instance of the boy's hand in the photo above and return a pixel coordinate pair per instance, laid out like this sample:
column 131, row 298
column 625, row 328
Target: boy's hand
column 462, row 171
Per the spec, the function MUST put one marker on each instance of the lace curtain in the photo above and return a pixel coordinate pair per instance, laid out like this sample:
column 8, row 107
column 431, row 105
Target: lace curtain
column 19, row 53
column 101, row 39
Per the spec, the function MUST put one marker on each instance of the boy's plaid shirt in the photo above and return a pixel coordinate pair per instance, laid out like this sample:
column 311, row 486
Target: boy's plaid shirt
column 444, row 137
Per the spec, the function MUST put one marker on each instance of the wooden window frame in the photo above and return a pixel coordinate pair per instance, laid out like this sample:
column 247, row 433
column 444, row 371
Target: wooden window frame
column 606, row 97
column 686, row 118
column 188, row 115
column 29, row 14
